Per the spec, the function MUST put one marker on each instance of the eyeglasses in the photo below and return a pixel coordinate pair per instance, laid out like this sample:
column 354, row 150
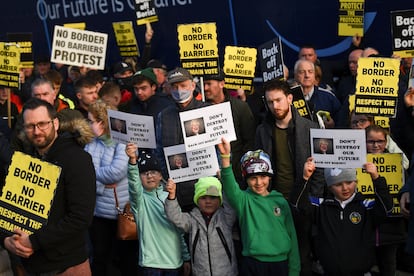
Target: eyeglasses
column 39, row 125
column 378, row 142
column 359, row 121
column 149, row 173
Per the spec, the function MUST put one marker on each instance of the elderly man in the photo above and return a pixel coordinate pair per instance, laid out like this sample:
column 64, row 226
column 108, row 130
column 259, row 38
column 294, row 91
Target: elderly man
column 318, row 99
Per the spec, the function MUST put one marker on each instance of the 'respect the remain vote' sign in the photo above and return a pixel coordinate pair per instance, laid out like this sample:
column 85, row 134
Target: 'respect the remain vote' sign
column 28, row 194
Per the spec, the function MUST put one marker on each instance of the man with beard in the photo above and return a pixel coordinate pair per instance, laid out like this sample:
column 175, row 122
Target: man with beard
column 59, row 246
column 284, row 135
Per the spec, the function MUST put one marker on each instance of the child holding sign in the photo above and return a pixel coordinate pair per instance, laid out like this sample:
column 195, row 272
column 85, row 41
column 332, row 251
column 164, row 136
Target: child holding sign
column 162, row 246
column 268, row 235
column 209, row 225
column 345, row 221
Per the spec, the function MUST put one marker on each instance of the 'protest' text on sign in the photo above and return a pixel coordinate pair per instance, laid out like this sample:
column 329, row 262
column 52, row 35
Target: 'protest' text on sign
column 79, row 48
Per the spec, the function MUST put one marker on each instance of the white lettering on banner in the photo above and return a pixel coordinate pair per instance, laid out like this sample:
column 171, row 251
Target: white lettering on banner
column 84, row 8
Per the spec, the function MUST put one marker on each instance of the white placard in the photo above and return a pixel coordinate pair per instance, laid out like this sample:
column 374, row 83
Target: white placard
column 185, row 166
column 204, row 127
column 338, row 148
column 127, row 127
column 79, row 48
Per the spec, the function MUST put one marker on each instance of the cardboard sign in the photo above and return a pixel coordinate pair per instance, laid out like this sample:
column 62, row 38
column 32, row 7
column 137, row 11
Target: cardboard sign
column 24, row 40
column 198, row 48
column 204, row 127
column 351, row 17
column 78, row 25
column 402, row 24
column 125, row 38
column 239, row 67
column 9, row 65
column 389, row 165
column 185, row 166
column 377, row 86
column 28, row 194
column 300, row 103
column 271, row 60
column 338, row 148
column 126, row 127
column 145, row 12
column 79, row 48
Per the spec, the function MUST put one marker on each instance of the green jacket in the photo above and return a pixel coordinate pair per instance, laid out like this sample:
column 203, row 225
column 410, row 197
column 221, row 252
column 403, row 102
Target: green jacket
column 161, row 244
column 267, row 230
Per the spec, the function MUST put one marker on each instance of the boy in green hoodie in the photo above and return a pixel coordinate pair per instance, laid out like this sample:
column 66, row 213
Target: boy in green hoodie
column 268, row 234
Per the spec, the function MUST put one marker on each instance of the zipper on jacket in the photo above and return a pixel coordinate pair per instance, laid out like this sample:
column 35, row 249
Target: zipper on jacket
column 208, row 252
column 223, row 241
column 195, row 241
column 341, row 215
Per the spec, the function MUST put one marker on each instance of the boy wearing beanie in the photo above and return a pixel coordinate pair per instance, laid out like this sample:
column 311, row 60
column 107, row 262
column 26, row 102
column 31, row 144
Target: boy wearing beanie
column 268, row 234
column 209, row 226
column 345, row 221
column 162, row 247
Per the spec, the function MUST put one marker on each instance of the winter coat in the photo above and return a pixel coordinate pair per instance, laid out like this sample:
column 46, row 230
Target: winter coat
column 111, row 166
column 211, row 246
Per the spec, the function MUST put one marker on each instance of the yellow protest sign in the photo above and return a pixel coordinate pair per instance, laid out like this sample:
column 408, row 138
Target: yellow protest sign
column 198, row 48
column 351, row 17
column 389, row 165
column 28, row 193
column 239, row 67
column 377, row 86
column 125, row 38
column 381, row 121
column 9, row 64
column 24, row 41
column 79, row 26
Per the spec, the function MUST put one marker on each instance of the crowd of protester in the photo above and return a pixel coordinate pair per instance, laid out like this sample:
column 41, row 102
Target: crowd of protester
column 269, row 211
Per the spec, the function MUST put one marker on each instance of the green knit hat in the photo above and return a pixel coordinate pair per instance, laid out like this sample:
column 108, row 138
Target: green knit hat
column 209, row 186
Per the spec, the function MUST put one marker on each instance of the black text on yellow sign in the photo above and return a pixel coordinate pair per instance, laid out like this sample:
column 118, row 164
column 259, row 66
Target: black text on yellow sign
column 125, row 38
column 234, row 83
column 198, row 48
column 9, row 65
column 377, row 86
column 29, row 190
column 240, row 61
column 389, row 165
column 351, row 17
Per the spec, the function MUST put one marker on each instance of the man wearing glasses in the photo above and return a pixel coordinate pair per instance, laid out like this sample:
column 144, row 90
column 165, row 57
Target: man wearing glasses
column 59, row 246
